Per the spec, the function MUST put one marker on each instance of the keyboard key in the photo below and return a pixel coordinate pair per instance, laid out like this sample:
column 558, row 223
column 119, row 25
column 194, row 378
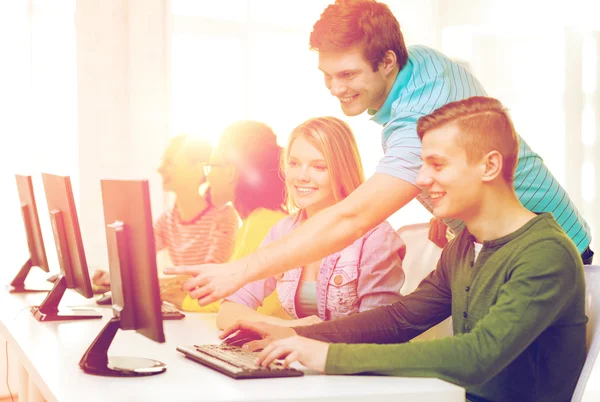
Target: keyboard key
column 235, row 361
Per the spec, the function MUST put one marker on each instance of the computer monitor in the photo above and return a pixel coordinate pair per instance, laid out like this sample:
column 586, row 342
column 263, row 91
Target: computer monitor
column 133, row 279
column 33, row 232
column 71, row 257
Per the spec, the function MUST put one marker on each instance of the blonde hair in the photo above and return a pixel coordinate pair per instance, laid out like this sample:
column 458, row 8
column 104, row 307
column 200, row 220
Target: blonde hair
column 334, row 139
column 484, row 125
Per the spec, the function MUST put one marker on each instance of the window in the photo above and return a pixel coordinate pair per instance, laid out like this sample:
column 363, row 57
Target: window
column 38, row 78
column 251, row 60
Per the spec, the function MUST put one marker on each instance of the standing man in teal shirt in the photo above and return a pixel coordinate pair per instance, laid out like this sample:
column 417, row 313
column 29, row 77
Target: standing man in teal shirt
column 367, row 67
column 512, row 280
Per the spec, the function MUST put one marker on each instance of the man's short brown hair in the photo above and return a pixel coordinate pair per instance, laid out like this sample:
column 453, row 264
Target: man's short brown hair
column 484, row 125
column 360, row 23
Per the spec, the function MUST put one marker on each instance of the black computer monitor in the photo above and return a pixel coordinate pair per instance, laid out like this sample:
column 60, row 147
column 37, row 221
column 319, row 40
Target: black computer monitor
column 71, row 257
column 133, row 279
column 33, row 232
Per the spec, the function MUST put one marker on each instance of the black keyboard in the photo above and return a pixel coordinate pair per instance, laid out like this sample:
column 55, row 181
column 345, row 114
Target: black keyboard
column 235, row 362
column 170, row 312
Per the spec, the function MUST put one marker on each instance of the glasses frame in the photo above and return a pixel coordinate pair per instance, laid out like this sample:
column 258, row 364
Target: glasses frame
column 207, row 167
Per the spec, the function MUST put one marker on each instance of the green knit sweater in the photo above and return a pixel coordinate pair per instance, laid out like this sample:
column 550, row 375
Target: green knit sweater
column 518, row 316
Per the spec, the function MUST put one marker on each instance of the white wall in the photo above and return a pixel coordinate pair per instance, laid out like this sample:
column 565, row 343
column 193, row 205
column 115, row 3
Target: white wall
column 543, row 70
column 122, row 104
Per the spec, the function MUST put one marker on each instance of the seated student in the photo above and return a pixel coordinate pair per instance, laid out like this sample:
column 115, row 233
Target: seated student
column 513, row 282
column 193, row 231
column 244, row 170
column 322, row 166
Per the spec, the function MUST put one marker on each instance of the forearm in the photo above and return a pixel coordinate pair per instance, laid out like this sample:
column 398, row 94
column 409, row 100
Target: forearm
column 299, row 247
column 380, row 325
column 399, row 322
column 231, row 312
column 442, row 358
column 332, row 229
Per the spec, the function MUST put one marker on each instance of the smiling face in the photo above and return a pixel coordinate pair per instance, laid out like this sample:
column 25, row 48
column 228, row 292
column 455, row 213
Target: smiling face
column 307, row 177
column 350, row 78
column 455, row 185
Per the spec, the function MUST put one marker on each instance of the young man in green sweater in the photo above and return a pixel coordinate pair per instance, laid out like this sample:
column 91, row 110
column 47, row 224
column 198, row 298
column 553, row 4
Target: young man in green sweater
column 513, row 282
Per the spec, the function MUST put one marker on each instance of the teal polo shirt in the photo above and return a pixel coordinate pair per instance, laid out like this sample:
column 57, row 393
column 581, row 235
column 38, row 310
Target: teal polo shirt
column 431, row 80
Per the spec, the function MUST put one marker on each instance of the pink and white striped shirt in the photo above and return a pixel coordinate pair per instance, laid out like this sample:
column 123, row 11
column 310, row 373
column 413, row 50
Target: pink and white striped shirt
column 208, row 238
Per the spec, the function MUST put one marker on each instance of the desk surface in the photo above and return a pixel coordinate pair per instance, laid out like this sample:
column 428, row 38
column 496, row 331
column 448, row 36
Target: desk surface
column 50, row 352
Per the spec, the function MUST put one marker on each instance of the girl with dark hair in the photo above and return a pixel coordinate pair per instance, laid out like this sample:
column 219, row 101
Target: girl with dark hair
column 245, row 171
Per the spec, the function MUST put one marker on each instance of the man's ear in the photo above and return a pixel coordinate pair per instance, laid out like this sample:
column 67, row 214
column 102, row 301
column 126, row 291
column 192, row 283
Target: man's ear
column 388, row 63
column 492, row 163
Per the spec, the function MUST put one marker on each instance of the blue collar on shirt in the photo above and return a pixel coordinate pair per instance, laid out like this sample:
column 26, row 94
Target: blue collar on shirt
column 382, row 116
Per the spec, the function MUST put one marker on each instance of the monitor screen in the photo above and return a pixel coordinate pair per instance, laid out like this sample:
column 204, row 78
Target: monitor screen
column 71, row 257
column 33, row 230
column 33, row 234
column 67, row 235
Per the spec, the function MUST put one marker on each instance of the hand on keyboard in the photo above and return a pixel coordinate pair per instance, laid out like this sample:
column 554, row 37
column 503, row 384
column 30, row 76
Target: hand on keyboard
column 240, row 338
column 309, row 352
column 235, row 362
column 262, row 333
column 170, row 312
column 170, row 291
column 100, row 281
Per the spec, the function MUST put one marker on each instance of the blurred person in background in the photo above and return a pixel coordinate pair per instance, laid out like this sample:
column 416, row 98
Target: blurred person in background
column 244, row 171
column 193, row 230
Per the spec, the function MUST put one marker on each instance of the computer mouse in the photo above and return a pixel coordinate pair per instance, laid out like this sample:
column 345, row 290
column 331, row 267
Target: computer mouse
column 241, row 337
column 104, row 299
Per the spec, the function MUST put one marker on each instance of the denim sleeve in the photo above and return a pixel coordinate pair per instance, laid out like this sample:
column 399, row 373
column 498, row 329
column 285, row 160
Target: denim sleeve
column 428, row 305
column 254, row 293
column 381, row 275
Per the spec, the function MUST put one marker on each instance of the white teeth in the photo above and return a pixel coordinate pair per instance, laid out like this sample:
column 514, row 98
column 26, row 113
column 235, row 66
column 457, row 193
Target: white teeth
column 436, row 195
column 347, row 99
column 305, row 189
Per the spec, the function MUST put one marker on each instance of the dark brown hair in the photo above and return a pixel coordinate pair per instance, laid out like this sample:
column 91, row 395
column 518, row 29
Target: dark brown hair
column 484, row 125
column 252, row 148
column 365, row 23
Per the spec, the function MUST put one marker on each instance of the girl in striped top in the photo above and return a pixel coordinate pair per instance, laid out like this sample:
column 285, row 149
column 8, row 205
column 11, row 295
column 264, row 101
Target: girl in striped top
column 193, row 231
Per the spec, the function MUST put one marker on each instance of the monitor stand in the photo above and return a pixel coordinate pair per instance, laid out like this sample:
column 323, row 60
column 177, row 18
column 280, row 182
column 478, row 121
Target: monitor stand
column 49, row 311
column 18, row 283
column 96, row 360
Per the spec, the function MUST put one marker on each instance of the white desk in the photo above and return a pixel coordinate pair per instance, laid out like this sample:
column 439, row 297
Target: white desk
column 49, row 354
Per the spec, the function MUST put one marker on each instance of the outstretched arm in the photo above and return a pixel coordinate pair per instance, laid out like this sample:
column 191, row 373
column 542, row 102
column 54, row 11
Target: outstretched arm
column 329, row 231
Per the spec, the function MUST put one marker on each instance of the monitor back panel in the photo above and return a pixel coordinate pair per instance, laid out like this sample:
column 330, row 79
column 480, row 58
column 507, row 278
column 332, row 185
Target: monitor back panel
column 27, row 197
column 128, row 201
column 59, row 196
